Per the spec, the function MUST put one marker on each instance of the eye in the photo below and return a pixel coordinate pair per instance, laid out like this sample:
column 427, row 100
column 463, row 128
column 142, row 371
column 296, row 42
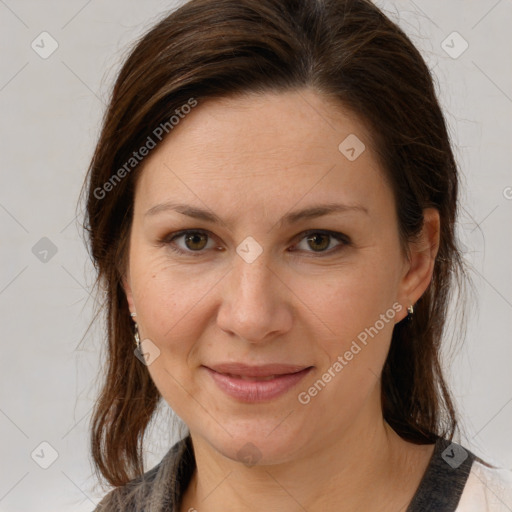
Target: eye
column 195, row 242
column 320, row 241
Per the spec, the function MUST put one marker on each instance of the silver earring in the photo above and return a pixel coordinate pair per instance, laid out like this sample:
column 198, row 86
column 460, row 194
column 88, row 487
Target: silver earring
column 133, row 315
column 410, row 310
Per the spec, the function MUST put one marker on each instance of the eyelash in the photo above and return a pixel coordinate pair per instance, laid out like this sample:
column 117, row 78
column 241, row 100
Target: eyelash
column 169, row 239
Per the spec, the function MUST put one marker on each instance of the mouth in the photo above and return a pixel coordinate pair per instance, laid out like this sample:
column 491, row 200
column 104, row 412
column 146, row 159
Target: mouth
column 254, row 379
column 257, row 383
column 264, row 370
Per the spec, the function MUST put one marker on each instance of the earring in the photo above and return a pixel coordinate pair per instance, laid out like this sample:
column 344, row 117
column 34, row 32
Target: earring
column 136, row 334
column 410, row 311
column 137, row 339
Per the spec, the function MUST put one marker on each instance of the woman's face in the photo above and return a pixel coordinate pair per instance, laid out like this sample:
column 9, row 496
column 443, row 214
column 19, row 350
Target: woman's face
column 263, row 285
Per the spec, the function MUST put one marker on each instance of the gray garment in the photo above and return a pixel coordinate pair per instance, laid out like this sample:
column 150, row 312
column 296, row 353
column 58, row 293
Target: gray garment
column 161, row 488
column 444, row 479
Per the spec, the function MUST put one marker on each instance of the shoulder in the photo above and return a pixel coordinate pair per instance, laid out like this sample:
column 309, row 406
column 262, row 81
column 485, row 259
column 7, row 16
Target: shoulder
column 134, row 495
column 156, row 489
column 130, row 496
column 487, row 490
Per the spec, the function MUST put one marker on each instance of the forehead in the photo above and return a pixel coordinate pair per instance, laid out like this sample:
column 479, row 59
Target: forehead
column 263, row 150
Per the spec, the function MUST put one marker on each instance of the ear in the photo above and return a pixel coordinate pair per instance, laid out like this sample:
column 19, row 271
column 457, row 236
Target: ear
column 128, row 291
column 420, row 265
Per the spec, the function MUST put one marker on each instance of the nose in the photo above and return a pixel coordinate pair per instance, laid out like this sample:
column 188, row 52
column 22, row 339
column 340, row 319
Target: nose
column 255, row 303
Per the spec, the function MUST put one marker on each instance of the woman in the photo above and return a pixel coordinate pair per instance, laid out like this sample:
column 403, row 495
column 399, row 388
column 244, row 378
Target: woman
column 271, row 209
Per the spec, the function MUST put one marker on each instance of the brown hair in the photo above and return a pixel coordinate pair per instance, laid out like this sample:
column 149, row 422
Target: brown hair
column 349, row 52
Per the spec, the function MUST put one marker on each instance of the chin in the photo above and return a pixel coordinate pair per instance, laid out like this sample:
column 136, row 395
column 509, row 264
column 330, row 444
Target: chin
column 258, row 442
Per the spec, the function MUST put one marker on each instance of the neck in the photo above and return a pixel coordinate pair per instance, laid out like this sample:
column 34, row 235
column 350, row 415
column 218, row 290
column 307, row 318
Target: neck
column 363, row 468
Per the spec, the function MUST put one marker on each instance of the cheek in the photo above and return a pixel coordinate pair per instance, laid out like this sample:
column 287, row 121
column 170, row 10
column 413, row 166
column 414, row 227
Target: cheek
column 166, row 294
column 361, row 316
column 360, row 311
column 170, row 312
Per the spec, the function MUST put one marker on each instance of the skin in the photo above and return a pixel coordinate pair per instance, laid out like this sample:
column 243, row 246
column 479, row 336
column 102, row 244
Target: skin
column 251, row 160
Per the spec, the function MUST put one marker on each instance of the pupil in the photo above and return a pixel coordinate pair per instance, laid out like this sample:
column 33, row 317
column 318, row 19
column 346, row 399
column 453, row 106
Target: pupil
column 193, row 239
column 315, row 238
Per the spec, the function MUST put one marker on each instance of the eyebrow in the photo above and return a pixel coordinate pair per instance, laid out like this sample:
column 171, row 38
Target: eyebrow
column 314, row 211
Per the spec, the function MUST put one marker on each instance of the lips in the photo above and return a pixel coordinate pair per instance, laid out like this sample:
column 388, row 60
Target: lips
column 261, row 371
column 253, row 384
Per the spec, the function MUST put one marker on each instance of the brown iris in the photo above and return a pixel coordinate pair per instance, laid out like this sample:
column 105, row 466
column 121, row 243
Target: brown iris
column 196, row 238
column 316, row 237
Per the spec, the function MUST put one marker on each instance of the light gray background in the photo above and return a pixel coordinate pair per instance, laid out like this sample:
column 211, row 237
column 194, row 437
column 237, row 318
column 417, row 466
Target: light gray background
column 51, row 111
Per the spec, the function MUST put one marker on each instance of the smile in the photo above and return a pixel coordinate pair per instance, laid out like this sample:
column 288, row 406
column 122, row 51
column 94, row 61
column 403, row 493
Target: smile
column 256, row 389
